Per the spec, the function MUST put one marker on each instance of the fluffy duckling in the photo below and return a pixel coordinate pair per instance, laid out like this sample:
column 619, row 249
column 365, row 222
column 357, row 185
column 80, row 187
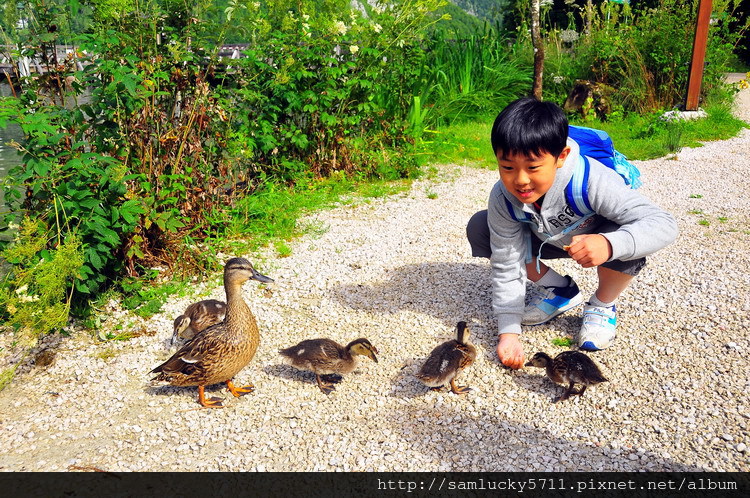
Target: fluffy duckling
column 221, row 351
column 198, row 317
column 327, row 358
column 447, row 360
column 569, row 367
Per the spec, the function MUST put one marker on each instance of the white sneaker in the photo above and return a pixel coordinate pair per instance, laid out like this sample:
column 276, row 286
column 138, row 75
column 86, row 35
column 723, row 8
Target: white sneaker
column 598, row 329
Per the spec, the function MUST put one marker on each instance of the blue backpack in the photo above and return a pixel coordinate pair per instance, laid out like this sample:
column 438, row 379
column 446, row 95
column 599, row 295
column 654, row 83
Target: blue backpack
column 596, row 144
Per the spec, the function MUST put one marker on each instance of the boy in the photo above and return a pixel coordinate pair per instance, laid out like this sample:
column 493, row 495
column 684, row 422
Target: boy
column 536, row 161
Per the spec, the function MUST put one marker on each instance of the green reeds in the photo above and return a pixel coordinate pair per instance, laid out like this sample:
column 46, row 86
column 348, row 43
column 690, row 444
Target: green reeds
column 473, row 76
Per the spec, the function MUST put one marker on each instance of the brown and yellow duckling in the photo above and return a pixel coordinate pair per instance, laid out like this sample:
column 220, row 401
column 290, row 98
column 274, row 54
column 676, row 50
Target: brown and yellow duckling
column 198, row 317
column 447, row 360
column 569, row 368
column 327, row 358
column 221, row 351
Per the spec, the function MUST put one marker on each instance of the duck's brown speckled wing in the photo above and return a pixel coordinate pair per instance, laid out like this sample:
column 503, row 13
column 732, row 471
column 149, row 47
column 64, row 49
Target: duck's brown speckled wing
column 445, row 361
column 189, row 360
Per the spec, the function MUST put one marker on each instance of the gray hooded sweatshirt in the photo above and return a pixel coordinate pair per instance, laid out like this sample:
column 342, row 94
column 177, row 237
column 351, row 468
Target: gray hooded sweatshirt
column 644, row 229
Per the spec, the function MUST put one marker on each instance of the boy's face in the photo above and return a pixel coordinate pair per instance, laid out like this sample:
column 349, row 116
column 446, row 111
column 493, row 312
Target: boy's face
column 529, row 178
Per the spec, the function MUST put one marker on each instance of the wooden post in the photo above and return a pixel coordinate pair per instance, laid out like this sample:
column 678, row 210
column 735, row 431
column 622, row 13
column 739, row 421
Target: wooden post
column 699, row 55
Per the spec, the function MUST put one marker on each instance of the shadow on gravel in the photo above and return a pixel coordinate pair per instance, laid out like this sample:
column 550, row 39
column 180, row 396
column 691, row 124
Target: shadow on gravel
column 218, row 390
column 449, row 291
column 485, row 440
column 292, row 374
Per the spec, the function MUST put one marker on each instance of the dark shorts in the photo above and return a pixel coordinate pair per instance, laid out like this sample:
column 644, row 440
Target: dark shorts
column 478, row 234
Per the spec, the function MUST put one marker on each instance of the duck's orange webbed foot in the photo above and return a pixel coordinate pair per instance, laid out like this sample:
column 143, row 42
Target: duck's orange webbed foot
column 208, row 403
column 460, row 390
column 325, row 387
column 239, row 391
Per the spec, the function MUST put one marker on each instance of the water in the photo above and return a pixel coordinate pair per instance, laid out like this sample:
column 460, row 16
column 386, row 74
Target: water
column 8, row 155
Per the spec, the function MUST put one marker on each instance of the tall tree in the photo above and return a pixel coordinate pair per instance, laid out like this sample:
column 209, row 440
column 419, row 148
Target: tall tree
column 536, row 41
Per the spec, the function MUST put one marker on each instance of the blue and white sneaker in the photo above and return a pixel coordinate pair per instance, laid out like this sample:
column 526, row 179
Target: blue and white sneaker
column 545, row 303
column 598, row 329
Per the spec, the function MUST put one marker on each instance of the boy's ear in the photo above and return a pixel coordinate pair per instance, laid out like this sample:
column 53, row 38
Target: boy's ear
column 562, row 156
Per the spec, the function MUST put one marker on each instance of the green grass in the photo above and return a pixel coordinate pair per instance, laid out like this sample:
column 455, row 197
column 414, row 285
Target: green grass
column 638, row 137
column 463, row 143
column 563, row 342
column 271, row 214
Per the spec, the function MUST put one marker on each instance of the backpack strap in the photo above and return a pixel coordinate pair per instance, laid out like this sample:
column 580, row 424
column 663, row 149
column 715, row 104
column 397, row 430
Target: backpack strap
column 576, row 192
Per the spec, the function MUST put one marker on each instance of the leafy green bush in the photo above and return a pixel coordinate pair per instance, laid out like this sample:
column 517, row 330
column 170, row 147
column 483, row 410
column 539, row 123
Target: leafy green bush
column 35, row 294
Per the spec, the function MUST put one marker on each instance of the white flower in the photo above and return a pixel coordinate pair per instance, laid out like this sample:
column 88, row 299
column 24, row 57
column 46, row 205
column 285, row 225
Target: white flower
column 568, row 35
column 353, row 49
column 22, row 289
column 340, row 28
column 558, row 79
column 377, row 27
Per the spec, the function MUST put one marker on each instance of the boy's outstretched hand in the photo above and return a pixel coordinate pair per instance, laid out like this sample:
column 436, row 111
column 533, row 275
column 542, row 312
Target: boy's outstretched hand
column 510, row 351
column 589, row 250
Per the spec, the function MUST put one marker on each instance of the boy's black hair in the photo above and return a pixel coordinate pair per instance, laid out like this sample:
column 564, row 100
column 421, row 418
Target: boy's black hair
column 530, row 127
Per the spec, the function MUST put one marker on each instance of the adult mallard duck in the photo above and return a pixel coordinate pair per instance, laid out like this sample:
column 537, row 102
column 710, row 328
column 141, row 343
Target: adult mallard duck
column 198, row 317
column 571, row 368
column 447, row 360
column 327, row 358
column 221, row 351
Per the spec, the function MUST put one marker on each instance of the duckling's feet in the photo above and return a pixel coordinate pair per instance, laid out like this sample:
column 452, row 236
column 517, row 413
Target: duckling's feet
column 325, row 387
column 332, row 378
column 438, row 388
column 213, row 402
column 460, row 390
column 239, row 391
column 565, row 395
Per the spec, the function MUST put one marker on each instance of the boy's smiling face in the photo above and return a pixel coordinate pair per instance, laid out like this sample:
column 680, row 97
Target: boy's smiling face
column 528, row 178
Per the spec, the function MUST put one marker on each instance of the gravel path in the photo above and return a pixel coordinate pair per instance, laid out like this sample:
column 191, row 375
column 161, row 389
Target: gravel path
column 398, row 271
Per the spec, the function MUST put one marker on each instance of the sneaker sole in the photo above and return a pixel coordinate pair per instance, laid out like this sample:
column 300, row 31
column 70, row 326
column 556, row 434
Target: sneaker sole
column 590, row 346
column 576, row 301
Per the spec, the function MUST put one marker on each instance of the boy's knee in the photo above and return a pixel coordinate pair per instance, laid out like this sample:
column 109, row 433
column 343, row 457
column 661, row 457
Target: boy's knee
column 478, row 233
